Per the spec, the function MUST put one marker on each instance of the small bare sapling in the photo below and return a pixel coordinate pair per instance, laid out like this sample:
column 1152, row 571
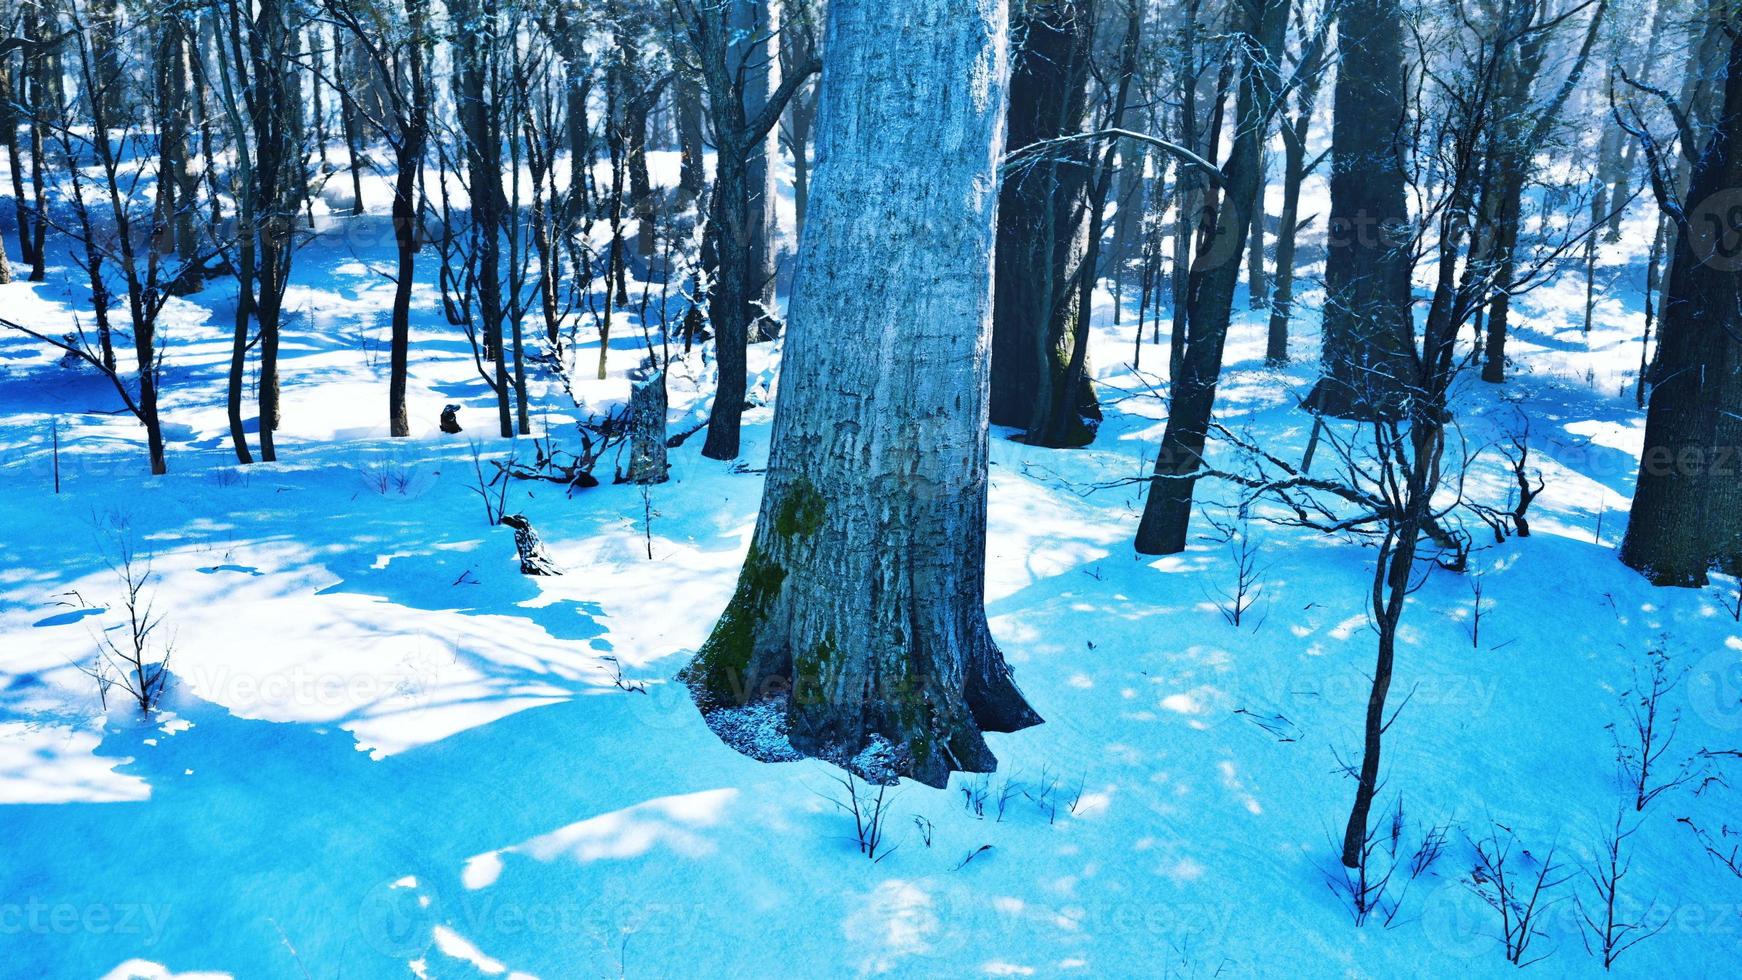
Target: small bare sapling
column 1607, row 929
column 1477, row 607
column 1235, row 601
column 1519, row 887
column 1640, row 747
column 868, row 816
column 131, row 656
column 1730, row 598
column 974, row 796
column 492, row 490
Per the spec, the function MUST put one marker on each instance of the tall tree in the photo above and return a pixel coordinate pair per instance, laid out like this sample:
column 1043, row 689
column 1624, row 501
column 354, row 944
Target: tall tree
column 16, row 96
column 1524, row 31
column 280, row 183
column 1295, row 167
column 32, row 91
column 1062, row 414
column 1368, row 330
column 738, row 136
column 474, row 51
column 1041, row 220
column 862, row 595
column 180, row 182
column 797, row 43
column 754, row 57
column 393, row 52
column 1687, row 509
column 1210, row 286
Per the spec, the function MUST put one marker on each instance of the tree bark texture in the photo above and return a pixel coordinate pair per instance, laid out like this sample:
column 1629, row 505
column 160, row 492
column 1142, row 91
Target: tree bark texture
column 1687, row 509
column 862, row 599
column 1041, row 219
column 1210, row 292
column 1368, row 330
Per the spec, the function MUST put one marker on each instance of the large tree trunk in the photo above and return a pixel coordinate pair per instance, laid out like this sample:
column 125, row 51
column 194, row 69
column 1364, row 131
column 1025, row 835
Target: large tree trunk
column 1215, row 272
column 1368, row 331
column 1687, row 510
column 1700, row 97
column 861, row 600
column 1041, row 221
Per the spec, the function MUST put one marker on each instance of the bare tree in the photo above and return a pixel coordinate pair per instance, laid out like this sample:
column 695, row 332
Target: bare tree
column 1607, row 929
column 738, row 134
column 137, row 659
column 395, row 53
column 1210, row 288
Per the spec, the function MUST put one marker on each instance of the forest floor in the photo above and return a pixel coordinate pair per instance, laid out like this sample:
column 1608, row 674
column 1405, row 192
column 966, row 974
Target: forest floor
column 384, row 751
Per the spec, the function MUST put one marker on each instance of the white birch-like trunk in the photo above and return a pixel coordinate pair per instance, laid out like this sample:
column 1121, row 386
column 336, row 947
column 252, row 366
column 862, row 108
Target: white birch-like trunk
column 862, row 599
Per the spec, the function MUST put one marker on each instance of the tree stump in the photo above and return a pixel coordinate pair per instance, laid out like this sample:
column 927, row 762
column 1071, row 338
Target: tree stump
column 647, row 412
column 533, row 558
column 451, row 419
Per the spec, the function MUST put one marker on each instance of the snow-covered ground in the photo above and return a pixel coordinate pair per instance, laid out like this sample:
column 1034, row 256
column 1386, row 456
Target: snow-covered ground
column 386, row 752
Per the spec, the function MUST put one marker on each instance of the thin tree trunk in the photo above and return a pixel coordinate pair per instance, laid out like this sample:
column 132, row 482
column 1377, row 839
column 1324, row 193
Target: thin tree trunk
column 1522, row 129
column 687, row 103
column 1295, row 170
column 484, row 166
column 1062, row 419
column 755, row 57
column 735, row 281
column 728, row 305
column 1287, row 233
column 801, row 114
column 348, row 122
column 1257, row 283
column 413, row 137
column 1215, row 273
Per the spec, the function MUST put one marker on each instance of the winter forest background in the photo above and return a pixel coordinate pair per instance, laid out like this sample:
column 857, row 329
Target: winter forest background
column 795, row 487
